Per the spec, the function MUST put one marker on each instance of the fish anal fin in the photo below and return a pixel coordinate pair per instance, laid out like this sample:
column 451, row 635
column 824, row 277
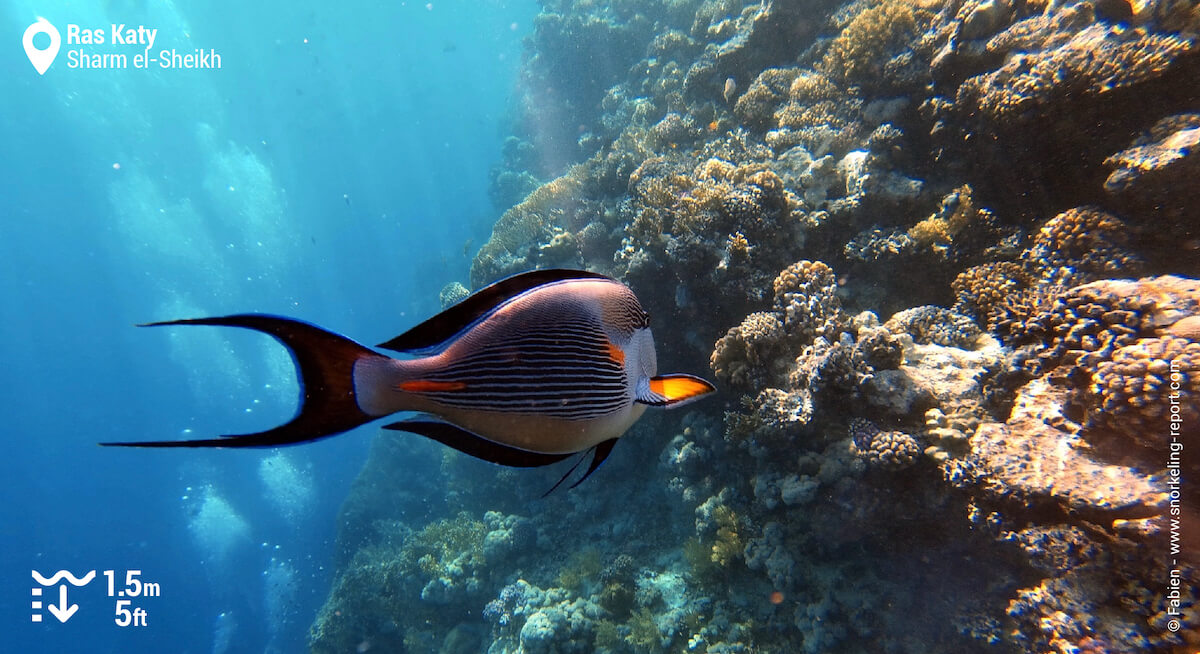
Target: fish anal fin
column 442, row 328
column 566, row 474
column 601, row 452
column 475, row 445
column 673, row 390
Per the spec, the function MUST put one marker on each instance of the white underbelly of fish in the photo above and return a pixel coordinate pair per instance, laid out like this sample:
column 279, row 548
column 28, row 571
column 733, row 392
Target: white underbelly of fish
column 538, row 433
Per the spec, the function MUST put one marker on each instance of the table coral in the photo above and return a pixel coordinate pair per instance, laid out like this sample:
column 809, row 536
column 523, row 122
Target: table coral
column 1155, row 171
column 1167, row 149
column 1036, row 458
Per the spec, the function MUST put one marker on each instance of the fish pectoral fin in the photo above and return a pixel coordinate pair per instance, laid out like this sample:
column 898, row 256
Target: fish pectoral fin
column 474, row 444
column 672, row 390
column 435, row 333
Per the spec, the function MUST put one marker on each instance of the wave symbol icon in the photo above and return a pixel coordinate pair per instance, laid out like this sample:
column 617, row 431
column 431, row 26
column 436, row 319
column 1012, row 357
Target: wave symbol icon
column 64, row 574
column 63, row 610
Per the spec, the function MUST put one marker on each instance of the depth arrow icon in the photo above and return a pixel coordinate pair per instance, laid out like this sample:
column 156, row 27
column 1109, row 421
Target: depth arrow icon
column 62, row 611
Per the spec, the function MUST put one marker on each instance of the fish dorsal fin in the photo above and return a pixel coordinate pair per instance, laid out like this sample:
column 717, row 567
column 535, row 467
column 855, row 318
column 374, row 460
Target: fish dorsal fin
column 434, row 333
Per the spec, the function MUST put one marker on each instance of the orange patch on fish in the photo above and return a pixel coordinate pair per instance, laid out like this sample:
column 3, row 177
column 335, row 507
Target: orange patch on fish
column 678, row 388
column 426, row 386
column 712, row 127
column 616, row 354
column 776, row 597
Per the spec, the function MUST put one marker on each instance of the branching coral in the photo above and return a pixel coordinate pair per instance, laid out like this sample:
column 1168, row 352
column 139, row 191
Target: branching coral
column 1091, row 62
column 805, row 295
column 727, row 547
column 1149, row 391
column 1088, row 241
column 871, row 38
column 747, row 355
column 957, row 214
column 980, row 291
column 929, row 324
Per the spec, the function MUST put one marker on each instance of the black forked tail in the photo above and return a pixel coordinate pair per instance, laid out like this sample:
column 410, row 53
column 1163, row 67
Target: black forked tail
column 324, row 368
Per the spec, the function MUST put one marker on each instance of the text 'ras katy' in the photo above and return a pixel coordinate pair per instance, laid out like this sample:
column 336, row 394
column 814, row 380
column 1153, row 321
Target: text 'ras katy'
column 118, row 34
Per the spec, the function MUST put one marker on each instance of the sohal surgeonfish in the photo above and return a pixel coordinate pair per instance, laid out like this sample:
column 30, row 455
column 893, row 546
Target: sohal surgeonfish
column 525, row 372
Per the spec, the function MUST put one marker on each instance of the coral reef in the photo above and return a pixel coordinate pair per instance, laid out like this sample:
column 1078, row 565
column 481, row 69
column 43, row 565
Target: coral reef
column 935, row 325
column 748, row 353
column 452, row 293
column 1086, row 240
column 1143, row 386
column 889, row 450
column 989, row 469
column 1096, row 60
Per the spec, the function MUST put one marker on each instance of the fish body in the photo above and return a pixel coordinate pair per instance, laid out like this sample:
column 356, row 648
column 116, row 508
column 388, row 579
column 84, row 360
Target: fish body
column 730, row 90
column 525, row 372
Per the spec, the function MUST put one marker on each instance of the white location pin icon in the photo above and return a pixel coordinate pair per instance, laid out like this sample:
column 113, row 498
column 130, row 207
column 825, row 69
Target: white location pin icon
column 41, row 59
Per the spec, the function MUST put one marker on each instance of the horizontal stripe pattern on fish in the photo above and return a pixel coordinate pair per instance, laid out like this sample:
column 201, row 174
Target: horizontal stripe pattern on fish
column 563, row 371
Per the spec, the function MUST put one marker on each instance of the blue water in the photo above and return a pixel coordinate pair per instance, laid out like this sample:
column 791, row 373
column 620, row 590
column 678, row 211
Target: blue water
column 333, row 169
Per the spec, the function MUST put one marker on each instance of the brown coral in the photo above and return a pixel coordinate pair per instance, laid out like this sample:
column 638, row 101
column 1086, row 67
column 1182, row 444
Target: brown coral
column 885, row 450
column 806, row 296
column 1150, row 390
column 930, row 324
column 957, row 213
column 870, row 39
column 746, row 353
column 757, row 105
column 979, row 291
column 1092, row 62
column 1088, row 241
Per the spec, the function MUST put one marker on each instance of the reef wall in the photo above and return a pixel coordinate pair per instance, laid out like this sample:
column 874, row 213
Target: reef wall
column 941, row 258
